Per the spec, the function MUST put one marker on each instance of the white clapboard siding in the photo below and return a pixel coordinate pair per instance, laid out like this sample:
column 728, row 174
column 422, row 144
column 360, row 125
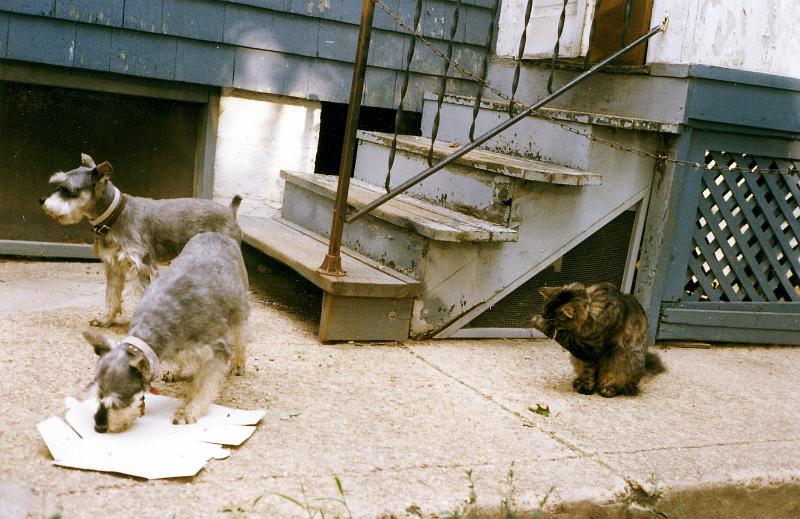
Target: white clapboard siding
column 543, row 28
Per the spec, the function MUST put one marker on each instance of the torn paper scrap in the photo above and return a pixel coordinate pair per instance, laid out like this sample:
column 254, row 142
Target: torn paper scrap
column 153, row 447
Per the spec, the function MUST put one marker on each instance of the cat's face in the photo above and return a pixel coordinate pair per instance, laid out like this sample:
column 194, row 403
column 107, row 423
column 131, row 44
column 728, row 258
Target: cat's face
column 566, row 307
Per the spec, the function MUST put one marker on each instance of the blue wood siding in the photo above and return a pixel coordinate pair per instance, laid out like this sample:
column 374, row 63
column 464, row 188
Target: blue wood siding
column 143, row 15
column 41, row 40
column 92, row 47
column 291, row 47
column 34, row 7
column 4, row 18
column 101, row 12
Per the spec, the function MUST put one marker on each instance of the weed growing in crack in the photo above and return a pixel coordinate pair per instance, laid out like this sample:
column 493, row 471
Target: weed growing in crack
column 508, row 505
column 467, row 509
column 313, row 507
column 239, row 511
column 638, row 500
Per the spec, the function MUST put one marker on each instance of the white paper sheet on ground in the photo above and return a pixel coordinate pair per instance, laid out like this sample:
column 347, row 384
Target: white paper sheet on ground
column 152, row 447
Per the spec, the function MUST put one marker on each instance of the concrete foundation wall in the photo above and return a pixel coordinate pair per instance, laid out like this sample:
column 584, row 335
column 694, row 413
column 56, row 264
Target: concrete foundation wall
column 257, row 136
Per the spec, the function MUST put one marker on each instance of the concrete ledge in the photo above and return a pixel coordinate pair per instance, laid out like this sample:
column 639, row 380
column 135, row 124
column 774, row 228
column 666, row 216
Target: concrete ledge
column 46, row 249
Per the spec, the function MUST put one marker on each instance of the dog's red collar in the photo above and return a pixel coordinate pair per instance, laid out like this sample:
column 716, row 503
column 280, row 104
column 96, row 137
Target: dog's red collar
column 103, row 223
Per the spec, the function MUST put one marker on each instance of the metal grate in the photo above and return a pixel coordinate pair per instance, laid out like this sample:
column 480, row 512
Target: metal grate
column 745, row 239
column 599, row 258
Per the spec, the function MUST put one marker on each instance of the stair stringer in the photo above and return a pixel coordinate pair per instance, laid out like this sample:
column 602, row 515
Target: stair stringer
column 460, row 282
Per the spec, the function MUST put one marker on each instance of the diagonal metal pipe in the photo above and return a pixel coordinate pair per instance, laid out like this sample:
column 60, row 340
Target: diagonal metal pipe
column 502, row 127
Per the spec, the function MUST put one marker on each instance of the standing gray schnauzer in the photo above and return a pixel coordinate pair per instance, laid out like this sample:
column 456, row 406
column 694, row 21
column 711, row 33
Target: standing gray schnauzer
column 195, row 313
column 131, row 233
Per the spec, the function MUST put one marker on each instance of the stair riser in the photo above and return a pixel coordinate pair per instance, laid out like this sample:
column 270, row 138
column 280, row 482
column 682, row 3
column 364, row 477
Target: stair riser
column 397, row 248
column 480, row 194
column 531, row 138
column 644, row 96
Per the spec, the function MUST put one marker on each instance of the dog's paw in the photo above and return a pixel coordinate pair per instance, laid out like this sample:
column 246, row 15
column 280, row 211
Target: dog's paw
column 183, row 416
column 176, row 375
column 105, row 322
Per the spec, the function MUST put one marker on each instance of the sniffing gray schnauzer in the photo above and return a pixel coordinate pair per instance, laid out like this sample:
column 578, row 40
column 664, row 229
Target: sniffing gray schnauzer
column 131, row 233
column 194, row 312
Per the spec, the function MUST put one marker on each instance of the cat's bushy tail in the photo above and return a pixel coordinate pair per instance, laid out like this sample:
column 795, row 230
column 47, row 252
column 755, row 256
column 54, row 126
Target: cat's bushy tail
column 653, row 364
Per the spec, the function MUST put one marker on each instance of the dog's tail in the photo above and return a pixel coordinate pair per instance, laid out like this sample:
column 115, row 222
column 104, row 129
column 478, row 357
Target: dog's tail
column 235, row 203
column 653, row 364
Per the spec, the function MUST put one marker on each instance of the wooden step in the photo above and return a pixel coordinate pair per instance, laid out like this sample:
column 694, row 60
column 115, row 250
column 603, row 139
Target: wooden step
column 426, row 219
column 569, row 116
column 489, row 161
column 369, row 303
column 303, row 251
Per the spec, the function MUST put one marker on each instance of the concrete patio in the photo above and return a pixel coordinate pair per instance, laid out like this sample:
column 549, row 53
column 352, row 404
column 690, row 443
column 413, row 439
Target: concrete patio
column 420, row 429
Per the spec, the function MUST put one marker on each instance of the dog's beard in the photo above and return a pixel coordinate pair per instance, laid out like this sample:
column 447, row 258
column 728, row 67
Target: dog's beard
column 121, row 418
column 65, row 211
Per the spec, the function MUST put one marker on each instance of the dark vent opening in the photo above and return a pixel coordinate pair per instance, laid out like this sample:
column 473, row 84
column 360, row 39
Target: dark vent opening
column 600, row 258
column 333, row 118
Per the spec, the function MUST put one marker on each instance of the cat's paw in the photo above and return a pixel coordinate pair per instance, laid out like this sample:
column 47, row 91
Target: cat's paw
column 583, row 387
column 609, row 391
column 538, row 322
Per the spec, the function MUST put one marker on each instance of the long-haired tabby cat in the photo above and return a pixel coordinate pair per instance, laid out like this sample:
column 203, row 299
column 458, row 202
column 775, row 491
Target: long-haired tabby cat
column 606, row 333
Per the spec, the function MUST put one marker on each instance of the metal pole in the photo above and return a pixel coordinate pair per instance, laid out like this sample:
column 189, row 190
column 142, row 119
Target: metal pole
column 491, row 133
column 332, row 265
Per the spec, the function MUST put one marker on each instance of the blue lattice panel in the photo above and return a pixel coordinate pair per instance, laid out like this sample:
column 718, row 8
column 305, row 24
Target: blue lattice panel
column 745, row 239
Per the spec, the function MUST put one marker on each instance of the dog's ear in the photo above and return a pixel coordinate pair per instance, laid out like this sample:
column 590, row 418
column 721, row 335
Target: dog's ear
column 549, row 292
column 100, row 342
column 140, row 363
column 87, row 161
column 103, row 169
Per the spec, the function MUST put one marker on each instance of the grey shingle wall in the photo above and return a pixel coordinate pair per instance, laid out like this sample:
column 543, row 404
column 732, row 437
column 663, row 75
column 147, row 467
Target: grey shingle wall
column 301, row 48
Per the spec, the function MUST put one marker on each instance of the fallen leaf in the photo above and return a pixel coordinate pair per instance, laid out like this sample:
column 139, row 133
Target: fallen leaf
column 540, row 409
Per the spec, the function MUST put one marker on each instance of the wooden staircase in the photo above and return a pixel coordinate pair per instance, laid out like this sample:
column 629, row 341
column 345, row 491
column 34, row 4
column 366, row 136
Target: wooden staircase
column 427, row 262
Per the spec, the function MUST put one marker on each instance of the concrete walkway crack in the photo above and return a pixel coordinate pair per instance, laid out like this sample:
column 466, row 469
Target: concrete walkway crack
column 525, row 421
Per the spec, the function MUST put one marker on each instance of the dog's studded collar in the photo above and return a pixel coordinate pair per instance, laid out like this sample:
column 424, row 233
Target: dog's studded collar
column 135, row 345
column 102, row 224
